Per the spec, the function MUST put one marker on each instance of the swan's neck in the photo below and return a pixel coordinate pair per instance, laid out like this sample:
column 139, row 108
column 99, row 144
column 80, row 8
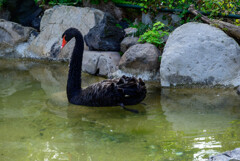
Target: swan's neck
column 74, row 74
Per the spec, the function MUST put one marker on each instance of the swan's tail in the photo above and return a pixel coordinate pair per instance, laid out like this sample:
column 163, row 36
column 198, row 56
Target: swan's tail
column 133, row 90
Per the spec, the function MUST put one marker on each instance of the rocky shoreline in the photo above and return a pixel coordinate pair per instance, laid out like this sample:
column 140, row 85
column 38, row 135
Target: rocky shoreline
column 195, row 53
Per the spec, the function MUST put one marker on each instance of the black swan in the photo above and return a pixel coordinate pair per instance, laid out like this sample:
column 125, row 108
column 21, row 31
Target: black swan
column 109, row 92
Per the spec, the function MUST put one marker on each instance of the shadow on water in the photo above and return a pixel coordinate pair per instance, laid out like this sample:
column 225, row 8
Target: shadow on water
column 37, row 122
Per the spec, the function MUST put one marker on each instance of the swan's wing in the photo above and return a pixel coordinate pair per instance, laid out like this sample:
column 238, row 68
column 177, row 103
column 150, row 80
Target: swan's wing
column 134, row 90
column 110, row 92
column 103, row 93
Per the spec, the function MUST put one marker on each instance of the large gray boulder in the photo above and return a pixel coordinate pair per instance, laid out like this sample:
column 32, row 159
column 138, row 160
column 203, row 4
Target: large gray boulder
column 197, row 53
column 55, row 21
column 11, row 35
column 233, row 155
column 105, row 36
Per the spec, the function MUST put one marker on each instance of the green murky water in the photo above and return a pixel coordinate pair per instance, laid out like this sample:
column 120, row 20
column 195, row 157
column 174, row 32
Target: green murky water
column 38, row 124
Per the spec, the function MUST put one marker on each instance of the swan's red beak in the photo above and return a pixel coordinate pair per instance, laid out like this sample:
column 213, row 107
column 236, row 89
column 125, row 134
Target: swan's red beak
column 64, row 42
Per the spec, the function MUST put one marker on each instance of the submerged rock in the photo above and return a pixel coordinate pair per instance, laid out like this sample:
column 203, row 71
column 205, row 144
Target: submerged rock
column 55, row 21
column 233, row 155
column 105, row 36
column 197, row 53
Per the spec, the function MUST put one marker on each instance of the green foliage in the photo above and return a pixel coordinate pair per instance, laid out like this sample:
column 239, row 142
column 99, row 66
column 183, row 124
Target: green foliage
column 224, row 7
column 159, row 58
column 115, row 1
column 1, row 3
column 237, row 22
column 55, row 2
column 119, row 26
column 155, row 35
column 72, row 2
column 214, row 7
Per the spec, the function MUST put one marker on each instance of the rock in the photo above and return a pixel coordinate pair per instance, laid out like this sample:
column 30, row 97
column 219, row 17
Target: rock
column 108, row 6
column 140, row 57
column 175, row 19
column 47, row 17
column 164, row 38
column 11, row 35
column 124, row 24
column 147, row 18
column 21, row 51
column 35, row 23
column 55, row 21
column 168, row 19
column 197, row 53
column 102, row 63
column 130, row 31
column 98, row 62
column 144, row 75
column 128, row 42
column 136, row 21
column 105, row 36
column 162, row 17
column 238, row 90
column 23, row 12
column 4, row 14
column 233, row 155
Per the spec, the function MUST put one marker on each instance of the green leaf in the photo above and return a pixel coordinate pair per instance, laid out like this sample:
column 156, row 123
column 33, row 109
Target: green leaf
column 159, row 58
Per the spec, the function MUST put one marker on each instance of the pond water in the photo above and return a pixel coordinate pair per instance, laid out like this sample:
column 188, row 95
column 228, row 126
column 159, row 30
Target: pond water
column 37, row 123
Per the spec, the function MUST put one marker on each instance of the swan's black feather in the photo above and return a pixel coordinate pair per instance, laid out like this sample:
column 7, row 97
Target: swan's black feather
column 112, row 92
